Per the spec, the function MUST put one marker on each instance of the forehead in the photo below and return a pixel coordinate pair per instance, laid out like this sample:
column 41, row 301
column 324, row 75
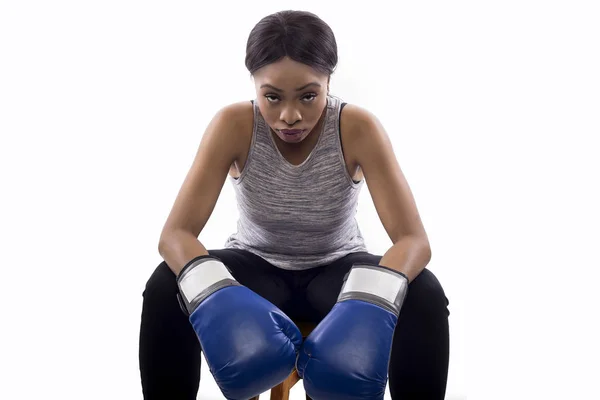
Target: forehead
column 287, row 74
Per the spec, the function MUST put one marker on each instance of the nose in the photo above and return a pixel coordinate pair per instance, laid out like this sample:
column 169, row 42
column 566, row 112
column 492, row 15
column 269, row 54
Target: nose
column 290, row 116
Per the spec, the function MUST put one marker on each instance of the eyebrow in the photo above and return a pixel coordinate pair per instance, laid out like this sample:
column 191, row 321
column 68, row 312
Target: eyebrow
column 297, row 90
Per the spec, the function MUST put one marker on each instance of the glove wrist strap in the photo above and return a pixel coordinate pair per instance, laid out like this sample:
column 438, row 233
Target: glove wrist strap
column 375, row 284
column 200, row 278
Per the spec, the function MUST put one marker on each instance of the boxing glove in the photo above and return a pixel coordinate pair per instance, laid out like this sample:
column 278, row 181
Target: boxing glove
column 249, row 344
column 347, row 355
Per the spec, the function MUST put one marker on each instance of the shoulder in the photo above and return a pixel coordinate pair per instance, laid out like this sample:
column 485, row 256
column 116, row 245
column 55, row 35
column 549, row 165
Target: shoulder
column 361, row 129
column 354, row 116
column 240, row 112
column 239, row 119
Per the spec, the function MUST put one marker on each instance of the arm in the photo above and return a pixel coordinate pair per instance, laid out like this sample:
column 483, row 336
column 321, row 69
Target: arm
column 368, row 307
column 392, row 197
column 201, row 188
column 246, row 365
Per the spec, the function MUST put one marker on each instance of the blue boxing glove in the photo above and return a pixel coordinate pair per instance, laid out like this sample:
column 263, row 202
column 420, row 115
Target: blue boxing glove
column 249, row 344
column 347, row 356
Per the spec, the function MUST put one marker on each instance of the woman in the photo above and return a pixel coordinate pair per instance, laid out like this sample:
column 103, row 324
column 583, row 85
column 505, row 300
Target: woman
column 297, row 158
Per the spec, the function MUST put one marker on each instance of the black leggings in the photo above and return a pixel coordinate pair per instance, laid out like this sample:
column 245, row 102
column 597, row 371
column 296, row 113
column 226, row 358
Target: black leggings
column 169, row 352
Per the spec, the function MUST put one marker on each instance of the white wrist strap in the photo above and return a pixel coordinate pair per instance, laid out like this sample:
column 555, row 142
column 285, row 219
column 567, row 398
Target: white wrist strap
column 202, row 275
column 377, row 285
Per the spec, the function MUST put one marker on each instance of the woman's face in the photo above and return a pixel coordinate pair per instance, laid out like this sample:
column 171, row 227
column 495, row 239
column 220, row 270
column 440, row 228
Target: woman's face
column 291, row 113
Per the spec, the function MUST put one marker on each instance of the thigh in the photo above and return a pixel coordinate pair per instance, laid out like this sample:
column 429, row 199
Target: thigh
column 169, row 351
column 258, row 275
column 322, row 292
column 420, row 349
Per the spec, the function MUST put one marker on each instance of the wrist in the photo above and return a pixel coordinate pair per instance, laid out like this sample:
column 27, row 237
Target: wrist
column 377, row 285
column 201, row 277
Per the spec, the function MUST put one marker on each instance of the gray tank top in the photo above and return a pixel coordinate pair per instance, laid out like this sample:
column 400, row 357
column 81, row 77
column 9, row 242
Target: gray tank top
column 297, row 216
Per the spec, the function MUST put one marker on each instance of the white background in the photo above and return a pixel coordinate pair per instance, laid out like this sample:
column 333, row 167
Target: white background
column 492, row 109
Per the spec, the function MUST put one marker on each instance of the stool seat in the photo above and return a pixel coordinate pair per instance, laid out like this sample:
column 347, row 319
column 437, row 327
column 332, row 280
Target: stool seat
column 305, row 327
column 282, row 391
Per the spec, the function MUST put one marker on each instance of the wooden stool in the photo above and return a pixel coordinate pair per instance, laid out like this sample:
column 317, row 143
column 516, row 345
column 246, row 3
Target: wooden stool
column 282, row 391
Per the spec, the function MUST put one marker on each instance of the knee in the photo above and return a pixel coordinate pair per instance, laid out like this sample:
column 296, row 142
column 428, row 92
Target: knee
column 426, row 295
column 162, row 282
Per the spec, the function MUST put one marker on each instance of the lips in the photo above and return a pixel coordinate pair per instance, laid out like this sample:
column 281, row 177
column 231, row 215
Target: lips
column 291, row 131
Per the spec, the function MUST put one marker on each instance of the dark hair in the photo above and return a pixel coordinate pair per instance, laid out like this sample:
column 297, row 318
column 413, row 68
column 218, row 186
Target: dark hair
column 300, row 35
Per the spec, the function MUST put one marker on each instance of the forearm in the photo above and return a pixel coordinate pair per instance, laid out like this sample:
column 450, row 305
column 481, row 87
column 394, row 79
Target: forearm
column 177, row 248
column 410, row 255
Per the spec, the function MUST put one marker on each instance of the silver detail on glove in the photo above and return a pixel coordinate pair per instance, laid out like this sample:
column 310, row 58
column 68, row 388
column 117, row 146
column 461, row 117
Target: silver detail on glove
column 377, row 285
column 202, row 278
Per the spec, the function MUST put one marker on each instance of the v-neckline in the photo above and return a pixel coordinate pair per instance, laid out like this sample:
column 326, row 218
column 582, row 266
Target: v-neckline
column 312, row 151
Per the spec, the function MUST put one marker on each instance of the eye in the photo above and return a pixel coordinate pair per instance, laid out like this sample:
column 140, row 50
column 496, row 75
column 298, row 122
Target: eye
column 311, row 95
